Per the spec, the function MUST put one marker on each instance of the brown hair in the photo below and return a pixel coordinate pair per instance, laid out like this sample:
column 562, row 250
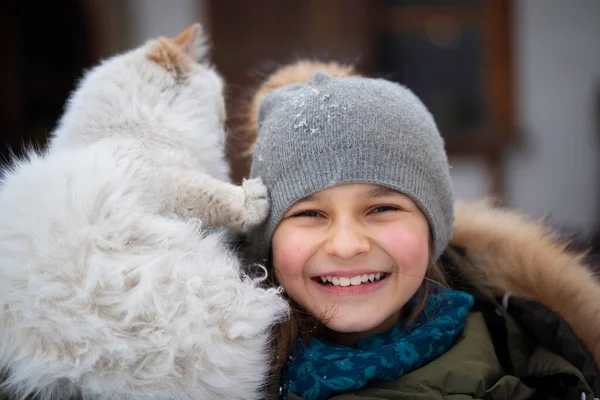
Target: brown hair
column 306, row 326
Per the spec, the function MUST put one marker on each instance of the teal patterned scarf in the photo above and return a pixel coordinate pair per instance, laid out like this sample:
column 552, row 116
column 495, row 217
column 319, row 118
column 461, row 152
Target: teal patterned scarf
column 318, row 370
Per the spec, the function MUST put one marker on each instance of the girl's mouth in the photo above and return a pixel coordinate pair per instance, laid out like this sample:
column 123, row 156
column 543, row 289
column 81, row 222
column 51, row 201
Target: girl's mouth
column 358, row 280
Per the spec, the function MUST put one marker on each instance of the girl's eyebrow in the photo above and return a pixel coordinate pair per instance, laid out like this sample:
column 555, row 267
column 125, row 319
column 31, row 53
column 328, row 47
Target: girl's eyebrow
column 379, row 191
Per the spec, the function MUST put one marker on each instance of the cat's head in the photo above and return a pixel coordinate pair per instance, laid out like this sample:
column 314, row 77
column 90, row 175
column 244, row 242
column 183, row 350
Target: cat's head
column 165, row 88
column 184, row 60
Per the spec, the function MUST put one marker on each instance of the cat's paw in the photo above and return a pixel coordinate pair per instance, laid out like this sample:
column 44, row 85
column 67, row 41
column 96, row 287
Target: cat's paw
column 255, row 189
column 256, row 203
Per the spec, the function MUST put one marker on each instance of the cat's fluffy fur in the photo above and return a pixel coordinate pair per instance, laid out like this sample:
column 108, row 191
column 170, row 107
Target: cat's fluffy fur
column 110, row 285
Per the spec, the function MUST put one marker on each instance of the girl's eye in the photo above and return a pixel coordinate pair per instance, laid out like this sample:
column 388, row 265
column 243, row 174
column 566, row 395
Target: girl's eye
column 380, row 209
column 307, row 213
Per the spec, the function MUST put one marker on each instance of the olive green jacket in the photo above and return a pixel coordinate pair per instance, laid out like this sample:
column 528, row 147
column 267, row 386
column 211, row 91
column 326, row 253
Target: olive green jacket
column 471, row 369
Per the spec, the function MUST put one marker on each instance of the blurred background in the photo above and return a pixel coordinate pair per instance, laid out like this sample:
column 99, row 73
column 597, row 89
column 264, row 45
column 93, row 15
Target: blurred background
column 514, row 85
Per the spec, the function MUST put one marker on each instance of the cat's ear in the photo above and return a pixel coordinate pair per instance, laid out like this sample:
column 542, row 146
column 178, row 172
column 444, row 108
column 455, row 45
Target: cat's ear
column 192, row 41
column 178, row 54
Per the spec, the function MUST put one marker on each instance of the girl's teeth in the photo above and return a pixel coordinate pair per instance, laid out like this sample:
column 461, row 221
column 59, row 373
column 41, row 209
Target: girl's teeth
column 354, row 281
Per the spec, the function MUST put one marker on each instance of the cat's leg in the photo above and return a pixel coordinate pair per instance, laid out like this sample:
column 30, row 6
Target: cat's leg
column 193, row 194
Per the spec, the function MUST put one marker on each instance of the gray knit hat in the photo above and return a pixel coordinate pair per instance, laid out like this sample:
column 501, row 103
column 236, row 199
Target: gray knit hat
column 342, row 130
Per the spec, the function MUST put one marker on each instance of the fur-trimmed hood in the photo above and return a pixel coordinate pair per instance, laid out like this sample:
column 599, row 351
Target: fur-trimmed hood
column 510, row 253
column 515, row 255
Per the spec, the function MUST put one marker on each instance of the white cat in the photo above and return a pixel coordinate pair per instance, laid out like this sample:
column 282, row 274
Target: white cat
column 110, row 287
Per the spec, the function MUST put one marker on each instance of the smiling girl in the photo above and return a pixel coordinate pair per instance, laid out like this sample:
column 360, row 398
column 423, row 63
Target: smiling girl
column 362, row 213
column 357, row 252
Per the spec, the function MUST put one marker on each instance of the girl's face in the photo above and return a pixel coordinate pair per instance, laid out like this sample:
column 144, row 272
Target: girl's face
column 352, row 255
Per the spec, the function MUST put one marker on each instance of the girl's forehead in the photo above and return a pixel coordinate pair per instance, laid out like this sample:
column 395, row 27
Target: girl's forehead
column 354, row 190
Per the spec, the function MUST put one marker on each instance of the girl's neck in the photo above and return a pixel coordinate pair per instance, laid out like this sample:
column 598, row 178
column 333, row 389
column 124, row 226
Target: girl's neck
column 349, row 339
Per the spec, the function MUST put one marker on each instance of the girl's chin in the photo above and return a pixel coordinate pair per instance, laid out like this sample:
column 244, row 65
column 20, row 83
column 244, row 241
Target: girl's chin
column 349, row 324
column 348, row 333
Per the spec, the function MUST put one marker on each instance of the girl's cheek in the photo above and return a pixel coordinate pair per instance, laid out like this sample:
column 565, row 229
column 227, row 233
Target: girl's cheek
column 289, row 254
column 409, row 244
column 284, row 262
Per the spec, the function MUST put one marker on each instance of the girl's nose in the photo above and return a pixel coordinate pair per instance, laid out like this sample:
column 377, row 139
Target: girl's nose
column 346, row 240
